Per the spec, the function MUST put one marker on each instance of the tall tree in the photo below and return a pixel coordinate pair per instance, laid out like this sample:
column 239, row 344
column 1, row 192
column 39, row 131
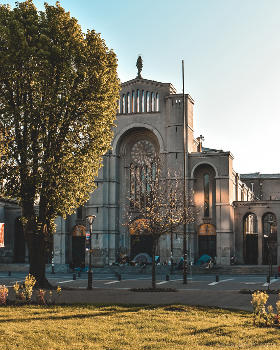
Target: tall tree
column 156, row 206
column 58, row 99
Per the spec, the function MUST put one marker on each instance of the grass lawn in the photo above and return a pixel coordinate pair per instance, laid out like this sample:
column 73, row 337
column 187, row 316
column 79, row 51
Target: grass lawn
column 174, row 327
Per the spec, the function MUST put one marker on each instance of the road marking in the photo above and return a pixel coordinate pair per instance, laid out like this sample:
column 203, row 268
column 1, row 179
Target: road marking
column 214, row 283
column 14, row 282
column 66, row 281
column 111, row 282
column 249, row 282
column 162, row 282
column 272, row 281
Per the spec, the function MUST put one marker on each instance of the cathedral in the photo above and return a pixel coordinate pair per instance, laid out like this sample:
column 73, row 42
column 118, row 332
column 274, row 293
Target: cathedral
column 237, row 215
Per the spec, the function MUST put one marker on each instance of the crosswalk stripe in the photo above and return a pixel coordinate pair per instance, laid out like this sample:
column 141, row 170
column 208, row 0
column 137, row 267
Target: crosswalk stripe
column 272, row 281
column 162, row 282
column 111, row 282
column 66, row 281
column 214, row 283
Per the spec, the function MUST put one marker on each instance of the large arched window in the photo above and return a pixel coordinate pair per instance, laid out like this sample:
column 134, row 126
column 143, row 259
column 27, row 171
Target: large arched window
column 142, row 170
column 269, row 239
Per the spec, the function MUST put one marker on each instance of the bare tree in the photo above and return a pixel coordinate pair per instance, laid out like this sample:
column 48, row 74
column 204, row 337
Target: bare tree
column 156, row 205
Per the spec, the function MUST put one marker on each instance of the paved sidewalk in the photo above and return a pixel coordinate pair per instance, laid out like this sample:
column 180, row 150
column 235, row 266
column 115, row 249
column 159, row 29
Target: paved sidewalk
column 222, row 299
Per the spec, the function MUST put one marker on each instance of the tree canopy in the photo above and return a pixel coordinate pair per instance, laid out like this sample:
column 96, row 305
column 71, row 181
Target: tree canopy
column 58, row 100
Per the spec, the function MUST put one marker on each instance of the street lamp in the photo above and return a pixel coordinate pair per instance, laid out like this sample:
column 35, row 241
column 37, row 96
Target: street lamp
column 90, row 219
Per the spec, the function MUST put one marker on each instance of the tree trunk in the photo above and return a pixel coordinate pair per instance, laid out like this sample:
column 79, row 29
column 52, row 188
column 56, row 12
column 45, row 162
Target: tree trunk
column 36, row 245
column 154, row 264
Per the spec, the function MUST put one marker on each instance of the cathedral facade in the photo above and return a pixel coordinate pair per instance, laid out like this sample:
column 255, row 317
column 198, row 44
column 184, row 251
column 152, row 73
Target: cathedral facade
column 236, row 215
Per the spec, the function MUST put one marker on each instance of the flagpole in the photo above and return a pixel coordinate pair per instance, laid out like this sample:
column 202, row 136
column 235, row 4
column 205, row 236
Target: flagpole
column 184, row 175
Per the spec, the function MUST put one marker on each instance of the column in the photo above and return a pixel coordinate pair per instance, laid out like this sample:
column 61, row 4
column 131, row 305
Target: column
column 260, row 239
column 278, row 241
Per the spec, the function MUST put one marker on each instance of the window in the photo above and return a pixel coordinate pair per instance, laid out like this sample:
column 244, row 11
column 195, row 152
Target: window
column 142, row 171
column 133, row 102
column 153, row 102
column 143, row 101
column 138, row 102
column 123, row 104
column 147, row 101
column 157, row 102
column 206, row 195
column 128, row 103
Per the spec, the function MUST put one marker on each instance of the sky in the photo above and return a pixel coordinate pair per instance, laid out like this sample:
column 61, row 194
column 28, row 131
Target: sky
column 231, row 52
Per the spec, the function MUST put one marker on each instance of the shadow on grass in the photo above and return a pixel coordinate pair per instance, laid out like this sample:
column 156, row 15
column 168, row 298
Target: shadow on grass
column 109, row 310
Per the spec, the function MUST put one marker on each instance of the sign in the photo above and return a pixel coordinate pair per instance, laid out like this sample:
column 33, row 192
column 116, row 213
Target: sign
column 87, row 235
column 207, row 230
column 2, row 235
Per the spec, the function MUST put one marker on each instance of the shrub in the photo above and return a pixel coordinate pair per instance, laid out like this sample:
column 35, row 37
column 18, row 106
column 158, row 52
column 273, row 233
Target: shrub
column 29, row 284
column 259, row 300
column 3, row 294
column 40, row 296
column 24, row 291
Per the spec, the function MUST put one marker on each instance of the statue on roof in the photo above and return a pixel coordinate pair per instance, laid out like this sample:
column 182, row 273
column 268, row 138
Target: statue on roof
column 139, row 65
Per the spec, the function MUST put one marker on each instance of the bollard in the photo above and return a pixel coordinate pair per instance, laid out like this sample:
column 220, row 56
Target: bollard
column 268, row 279
column 74, row 276
column 119, row 277
column 9, row 273
column 167, row 277
column 217, row 278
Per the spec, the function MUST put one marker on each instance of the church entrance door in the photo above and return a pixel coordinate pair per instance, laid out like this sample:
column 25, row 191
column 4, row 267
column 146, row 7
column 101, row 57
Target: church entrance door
column 140, row 244
column 207, row 245
column 78, row 251
column 251, row 254
column 207, row 240
column 250, row 234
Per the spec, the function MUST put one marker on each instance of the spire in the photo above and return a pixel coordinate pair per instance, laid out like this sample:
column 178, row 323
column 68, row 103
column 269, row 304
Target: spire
column 139, row 65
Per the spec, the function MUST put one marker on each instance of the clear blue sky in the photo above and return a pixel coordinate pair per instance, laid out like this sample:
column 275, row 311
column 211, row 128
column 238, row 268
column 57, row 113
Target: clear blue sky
column 231, row 50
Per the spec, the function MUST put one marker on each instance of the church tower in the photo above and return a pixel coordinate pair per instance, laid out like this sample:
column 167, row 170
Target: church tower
column 149, row 121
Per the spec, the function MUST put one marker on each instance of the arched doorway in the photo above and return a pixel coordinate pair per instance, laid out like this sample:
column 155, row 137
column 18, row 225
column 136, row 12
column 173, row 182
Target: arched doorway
column 140, row 240
column 19, row 244
column 207, row 240
column 250, row 235
column 269, row 239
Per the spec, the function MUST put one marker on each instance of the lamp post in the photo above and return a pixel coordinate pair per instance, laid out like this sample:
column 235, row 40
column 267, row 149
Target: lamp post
column 90, row 219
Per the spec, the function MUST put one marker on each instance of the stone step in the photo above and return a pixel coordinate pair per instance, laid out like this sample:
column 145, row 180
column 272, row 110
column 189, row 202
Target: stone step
column 160, row 269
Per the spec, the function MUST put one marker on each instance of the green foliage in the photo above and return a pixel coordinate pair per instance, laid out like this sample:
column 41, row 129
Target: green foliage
column 59, row 90
column 264, row 316
column 24, row 291
column 3, row 294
